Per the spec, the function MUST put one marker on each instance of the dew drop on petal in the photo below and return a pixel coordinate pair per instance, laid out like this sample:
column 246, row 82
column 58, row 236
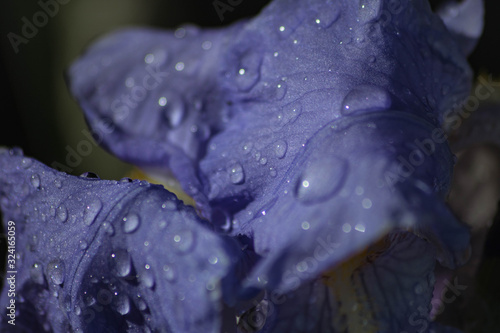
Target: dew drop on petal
column 183, row 241
column 366, row 99
column 321, row 179
column 91, row 210
column 108, row 228
column 147, row 278
column 58, row 183
column 36, row 273
column 280, row 148
column 130, row 223
column 35, row 180
column 122, row 304
column 55, row 271
column 120, row 263
column 26, row 163
column 236, row 174
column 62, row 213
column 169, row 273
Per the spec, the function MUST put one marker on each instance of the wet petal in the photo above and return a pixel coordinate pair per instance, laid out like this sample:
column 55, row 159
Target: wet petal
column 264, row 88
column 389, row 290
column 97, row 255
column 465, row 20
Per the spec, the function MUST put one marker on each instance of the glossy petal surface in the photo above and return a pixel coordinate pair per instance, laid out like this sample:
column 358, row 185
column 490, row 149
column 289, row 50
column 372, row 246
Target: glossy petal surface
column 108, row 256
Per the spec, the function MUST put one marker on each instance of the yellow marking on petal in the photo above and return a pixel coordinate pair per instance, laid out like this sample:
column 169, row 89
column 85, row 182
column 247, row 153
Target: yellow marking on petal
column 356, row 311
column 169, row 182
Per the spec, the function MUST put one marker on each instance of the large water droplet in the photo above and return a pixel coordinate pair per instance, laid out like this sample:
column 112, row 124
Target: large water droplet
column 236, row 174
column 36, row 273
column 120, row 263
column 35, row 180
column 26, row 163
column 366, row 99
column 62, row 213
column 169, row 273
column 175, row 111
column 122, row 304
column 91, row 211
column 55, row 271
column 183, row 241
column 280, row 148
column 147, row 278
column 321, row 179
column 142, row 305
column 130, row 223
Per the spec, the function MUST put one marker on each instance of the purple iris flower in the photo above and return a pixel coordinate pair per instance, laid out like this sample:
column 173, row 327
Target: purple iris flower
column 310, row 139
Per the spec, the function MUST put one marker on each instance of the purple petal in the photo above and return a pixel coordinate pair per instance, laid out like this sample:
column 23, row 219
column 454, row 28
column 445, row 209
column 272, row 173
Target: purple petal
column 465, row 20
column 389, row 291
column 115, row 256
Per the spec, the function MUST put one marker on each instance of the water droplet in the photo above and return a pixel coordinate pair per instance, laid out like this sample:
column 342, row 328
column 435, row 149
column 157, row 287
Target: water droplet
column 89, row 175
column 236, row 174
column 366, row 99
column 130, row 223
column 248, row 70
column 169, row 273
column 89, row 300
column 83, row 245
column 108, row 228
column 78, row 310
column 147, row 278
column 16, row 151
column 62, row 213
column 263, row 161
column 58, row 183
column 55, row 271
column 305, row 225
column 360, row 227
column 280, row 148
column 213, row 260
column 169, row 205
column 325, row 18
column 91, row 210
column 122, row 304
column 142, row 305
column 366, row 203
column 183, row 241
column 26, row 163
column 290, row 113
column 206, row 45
column 346, row 227
column 175, row 112
column 321, row 179
column 120, row 263
column 126, row 180
column 36, row 273
column 272, row 172
column 35, row 180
